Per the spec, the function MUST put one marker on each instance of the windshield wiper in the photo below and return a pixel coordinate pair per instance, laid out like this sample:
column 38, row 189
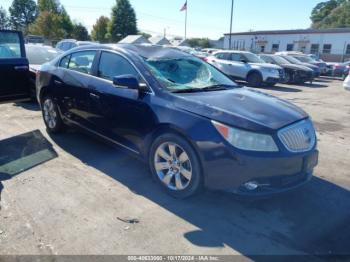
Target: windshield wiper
column 204, row 89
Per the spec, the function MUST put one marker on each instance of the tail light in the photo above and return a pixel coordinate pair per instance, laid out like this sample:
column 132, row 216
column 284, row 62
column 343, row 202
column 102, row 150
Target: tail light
column 337, row 66
column 205, row 59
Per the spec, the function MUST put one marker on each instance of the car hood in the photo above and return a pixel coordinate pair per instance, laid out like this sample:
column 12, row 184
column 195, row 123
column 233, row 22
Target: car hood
column 313, row 67
column 297, row 67
column 241, row 107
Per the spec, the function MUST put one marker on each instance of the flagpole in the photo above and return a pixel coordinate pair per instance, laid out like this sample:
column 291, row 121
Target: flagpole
column 186, row 20
column 230, row 41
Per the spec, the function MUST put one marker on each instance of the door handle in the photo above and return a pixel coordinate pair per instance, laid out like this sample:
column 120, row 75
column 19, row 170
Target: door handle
column 92, row 95
column 21, row 68
column 57, row 82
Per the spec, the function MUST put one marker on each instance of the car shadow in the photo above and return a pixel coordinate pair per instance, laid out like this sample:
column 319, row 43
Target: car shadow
column 312, row 220
column 23, row 152
column 30, row 105
column 314, row 85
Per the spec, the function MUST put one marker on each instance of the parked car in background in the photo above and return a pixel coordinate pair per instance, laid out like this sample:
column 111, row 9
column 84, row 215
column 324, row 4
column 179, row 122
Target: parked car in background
column 68, row 44
column 338, row 69
column 38, row 55
column 193, row 51
column 309, row 60
column 291, row 59
column 246, row 66
column 191, row 123
column 14, row 68
column 210, row 50
column 292, row 73
column 347, row 83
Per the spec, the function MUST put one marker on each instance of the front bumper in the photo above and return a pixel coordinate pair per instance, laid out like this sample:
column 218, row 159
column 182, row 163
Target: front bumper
column 231, row 171
column 269, row 77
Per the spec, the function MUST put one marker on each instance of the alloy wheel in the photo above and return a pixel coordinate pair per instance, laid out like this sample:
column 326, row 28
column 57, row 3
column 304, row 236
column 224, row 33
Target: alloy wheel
column 50, row 114
column 173, row 166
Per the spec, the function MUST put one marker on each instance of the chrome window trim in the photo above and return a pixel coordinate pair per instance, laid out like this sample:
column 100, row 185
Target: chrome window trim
column 100, row 78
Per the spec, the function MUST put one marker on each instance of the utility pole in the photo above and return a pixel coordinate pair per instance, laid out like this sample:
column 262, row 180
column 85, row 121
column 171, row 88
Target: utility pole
column 230, row 42
column 186, row 20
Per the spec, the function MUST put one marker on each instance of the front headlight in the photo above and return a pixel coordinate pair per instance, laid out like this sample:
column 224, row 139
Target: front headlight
column 271, row 70
column 246, row 140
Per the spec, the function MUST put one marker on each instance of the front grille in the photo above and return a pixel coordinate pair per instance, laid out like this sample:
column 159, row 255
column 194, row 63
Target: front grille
column 299, row 137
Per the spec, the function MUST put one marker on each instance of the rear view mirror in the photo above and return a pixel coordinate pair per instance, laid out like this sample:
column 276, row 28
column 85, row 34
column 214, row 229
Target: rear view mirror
column 128, row 81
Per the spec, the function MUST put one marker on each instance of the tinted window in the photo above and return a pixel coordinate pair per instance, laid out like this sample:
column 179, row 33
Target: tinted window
column 112, row 65
column 236, row 57
column 10, row 45
column 82, row 61
column 267, row 59
column 223, row 56
column 64, row 61
column 327, row 49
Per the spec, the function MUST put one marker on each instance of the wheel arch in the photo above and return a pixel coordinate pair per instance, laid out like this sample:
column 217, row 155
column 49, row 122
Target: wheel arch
column 169, row 128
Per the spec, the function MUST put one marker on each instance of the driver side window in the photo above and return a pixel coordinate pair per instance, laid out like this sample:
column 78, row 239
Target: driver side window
column 112, row 65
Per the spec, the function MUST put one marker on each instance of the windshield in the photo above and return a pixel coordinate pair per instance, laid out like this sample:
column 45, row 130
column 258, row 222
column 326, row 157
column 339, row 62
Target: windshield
column 280, row 60
column 304, row 59
column 252, row 58
column 38, row 55
column 291, row 59
column 187, row 73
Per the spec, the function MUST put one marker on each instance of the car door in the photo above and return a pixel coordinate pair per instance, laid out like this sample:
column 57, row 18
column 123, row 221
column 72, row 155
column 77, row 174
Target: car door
column 122, row 114
column 14, row 68
column 73, row 85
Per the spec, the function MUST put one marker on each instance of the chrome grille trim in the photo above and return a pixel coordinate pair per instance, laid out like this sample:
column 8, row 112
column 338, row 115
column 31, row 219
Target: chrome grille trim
column 299, row 137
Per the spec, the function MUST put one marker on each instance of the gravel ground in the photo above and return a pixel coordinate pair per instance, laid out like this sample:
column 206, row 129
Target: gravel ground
column 76, row 197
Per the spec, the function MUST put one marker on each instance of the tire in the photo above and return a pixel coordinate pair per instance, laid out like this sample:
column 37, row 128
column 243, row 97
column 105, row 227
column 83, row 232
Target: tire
column 254, row 79
column 166, row 170
column 288, row 79
column 52, row 118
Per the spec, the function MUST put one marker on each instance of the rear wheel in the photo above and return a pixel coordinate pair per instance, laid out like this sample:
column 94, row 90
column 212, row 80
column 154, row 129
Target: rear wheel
column 51, row 115
column 175, row 166
column 288, row 78
column 254, row 79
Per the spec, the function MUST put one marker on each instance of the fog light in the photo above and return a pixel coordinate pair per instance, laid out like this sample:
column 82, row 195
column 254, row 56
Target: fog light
column 252, row 185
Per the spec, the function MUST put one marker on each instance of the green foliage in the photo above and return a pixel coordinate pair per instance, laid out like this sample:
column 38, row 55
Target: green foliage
column 100, row 30
column 331, row 14
column 123, row 21
column 80, row 32
column 53, row 21
column 23, row 13
column 4, row 19
column 199, row 42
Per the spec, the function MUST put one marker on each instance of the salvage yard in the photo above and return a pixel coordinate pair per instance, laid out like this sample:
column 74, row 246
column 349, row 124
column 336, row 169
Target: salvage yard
column 71, row 194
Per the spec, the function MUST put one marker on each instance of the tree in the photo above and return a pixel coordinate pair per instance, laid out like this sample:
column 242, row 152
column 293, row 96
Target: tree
column 4, row 19
column 53, row 21
column 331, row 14
column 123, row 21
column 100, row 30
column 48, row 25
column 80, row 32
column 199, row 42
column 23, row 13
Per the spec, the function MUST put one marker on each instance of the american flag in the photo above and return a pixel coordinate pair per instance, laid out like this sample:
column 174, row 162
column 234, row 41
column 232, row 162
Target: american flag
column 184, row 8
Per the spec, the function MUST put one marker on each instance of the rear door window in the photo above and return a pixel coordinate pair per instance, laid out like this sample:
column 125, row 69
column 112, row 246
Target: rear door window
column 10, row 45
column 82, row 62
column 236, row 57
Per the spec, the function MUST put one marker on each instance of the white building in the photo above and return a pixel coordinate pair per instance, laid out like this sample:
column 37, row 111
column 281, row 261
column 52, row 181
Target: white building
column 159, row 40
column 330, row 44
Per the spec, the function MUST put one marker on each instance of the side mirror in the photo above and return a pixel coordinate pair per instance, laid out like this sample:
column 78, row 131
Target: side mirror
column 128, row 81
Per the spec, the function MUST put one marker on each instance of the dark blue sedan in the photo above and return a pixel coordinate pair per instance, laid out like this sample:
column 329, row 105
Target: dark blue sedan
column 193, row 125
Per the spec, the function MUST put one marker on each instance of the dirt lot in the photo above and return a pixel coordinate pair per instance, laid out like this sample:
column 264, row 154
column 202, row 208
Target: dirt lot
column 70, row 202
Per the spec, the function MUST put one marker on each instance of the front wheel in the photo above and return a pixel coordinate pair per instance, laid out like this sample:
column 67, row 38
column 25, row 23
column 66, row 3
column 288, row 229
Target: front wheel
column 175, row 166
column 254, row 79
column 51, row 115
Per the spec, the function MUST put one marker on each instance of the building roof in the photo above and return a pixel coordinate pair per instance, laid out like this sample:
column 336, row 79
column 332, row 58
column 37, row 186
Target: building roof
column 298, row 31
column 179, row 42
column 159, row 40
column 131, row 39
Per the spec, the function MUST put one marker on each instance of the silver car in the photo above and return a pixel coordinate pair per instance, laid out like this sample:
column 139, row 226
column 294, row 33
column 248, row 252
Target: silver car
column 246, row 66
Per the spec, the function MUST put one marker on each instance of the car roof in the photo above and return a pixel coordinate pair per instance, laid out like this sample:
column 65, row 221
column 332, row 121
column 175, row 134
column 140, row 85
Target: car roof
column 147, row 51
